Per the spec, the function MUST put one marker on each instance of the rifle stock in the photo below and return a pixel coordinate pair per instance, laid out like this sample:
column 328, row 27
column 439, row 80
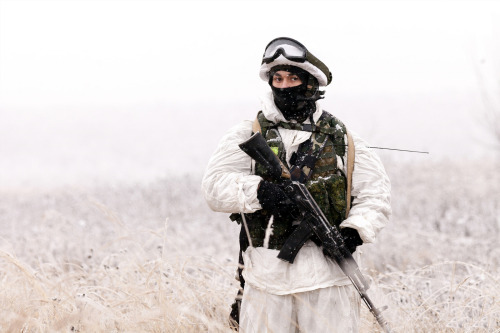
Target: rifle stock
column 313, row 222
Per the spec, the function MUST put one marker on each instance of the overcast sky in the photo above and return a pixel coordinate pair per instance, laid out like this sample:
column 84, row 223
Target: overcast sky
column 121, row 52
column 110, row 79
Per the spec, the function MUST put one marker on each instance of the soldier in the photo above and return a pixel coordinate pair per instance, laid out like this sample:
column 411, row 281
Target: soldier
column 312, row 294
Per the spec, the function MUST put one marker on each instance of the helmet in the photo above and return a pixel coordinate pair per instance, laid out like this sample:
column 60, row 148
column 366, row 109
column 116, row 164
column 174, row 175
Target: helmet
column 288, row 51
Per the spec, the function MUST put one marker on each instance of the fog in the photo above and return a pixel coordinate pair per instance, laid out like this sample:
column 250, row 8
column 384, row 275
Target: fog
column 136, row 90
column 110, row 111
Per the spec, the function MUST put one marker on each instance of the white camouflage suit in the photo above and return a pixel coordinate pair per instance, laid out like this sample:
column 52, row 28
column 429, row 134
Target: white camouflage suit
column 312, row 294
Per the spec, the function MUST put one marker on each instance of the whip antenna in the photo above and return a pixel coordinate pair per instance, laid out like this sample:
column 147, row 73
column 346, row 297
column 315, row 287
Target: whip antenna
column 405, row 150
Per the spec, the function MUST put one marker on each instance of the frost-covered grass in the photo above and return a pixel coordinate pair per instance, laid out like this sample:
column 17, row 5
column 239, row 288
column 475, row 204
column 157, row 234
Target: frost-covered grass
column 153, row 258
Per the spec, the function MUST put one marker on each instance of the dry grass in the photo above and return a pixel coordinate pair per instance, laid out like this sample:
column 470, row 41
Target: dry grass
column 153, row 258
column 444, row 297
column 164, row 295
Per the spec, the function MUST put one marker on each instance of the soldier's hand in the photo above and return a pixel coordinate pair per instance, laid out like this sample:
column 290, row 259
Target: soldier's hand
column 351, row 238
column 273, row 198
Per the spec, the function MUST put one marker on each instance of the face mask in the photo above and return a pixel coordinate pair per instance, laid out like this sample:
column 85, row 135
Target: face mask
column 293, row 103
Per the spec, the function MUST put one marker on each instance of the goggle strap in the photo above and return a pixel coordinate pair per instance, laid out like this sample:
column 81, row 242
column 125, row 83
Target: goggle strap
column 319, row 64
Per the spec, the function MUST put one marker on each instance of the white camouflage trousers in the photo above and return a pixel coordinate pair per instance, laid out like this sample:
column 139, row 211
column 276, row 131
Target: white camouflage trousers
column 333, row 309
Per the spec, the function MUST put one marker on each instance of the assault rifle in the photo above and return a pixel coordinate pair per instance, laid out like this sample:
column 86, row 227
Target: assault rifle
column 313, row 222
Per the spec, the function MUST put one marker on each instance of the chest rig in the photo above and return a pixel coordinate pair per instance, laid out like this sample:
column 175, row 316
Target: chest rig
column 317, row 160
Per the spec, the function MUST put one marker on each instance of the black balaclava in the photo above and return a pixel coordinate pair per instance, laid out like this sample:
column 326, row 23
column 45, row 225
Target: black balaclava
column 299, row 102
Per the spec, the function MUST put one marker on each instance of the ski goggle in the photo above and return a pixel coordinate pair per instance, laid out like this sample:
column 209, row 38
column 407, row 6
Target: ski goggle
column 289, row 48
column 293, row 51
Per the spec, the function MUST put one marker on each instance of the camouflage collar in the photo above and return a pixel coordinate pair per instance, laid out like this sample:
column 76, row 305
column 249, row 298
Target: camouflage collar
column 321, row 126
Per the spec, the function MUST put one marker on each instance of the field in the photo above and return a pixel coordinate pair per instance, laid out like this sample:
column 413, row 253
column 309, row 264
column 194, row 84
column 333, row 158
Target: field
column 152, row 257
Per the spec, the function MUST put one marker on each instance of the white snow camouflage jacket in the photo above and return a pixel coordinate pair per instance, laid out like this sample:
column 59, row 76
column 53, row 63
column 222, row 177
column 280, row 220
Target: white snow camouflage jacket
column 229, row 186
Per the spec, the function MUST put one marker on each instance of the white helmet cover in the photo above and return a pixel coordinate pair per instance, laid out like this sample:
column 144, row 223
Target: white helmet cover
column 306, row 65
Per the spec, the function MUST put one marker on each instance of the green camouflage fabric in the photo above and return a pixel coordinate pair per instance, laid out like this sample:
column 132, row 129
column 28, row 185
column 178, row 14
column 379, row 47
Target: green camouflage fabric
column 327, row 183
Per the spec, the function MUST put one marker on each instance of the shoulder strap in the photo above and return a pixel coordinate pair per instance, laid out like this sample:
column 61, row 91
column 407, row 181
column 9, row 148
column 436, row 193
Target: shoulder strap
column 256, row 126
column 350, row 168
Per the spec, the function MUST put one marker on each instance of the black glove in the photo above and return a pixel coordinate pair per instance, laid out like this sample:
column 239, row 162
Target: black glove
column 273, row 198
column 351, row 238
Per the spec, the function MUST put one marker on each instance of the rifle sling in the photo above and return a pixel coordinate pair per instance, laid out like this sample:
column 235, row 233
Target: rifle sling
column 350, row 169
